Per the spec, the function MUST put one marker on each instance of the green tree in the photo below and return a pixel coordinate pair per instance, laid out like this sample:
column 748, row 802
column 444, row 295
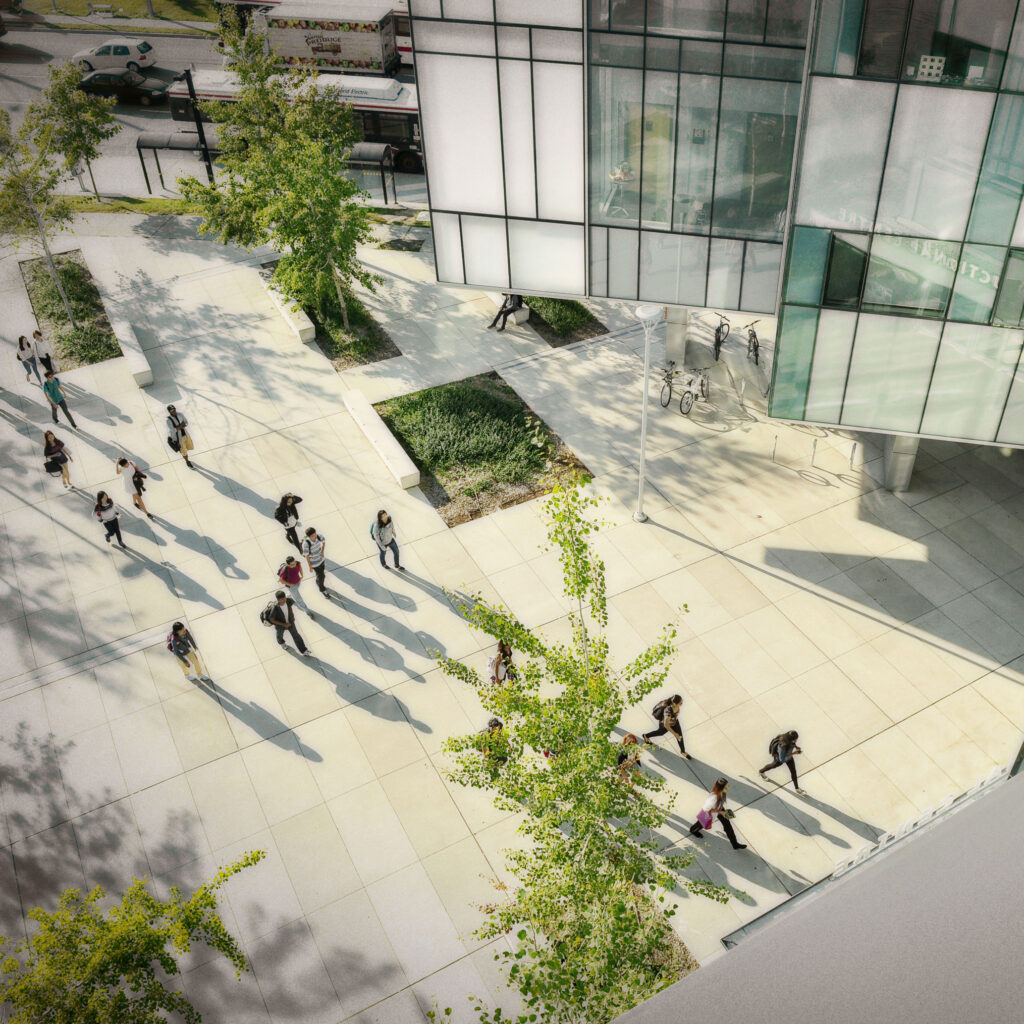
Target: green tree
column 73, row 122
column 84, row 966
column 31, row 208
column 589, row 905
column 284, row 149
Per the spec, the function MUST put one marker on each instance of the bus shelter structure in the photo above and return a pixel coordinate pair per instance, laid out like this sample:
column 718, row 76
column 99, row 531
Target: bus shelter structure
column 178, row 141
column 373, row 158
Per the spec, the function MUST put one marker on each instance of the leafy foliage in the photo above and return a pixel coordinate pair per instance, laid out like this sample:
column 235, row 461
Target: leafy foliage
column 589, row 908
column 563, row 316
column 84, row 966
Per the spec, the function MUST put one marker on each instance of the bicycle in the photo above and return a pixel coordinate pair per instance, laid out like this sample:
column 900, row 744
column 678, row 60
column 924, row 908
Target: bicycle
column 721, row 333
column 753, row 348
column 697, row 385
column 668, row 378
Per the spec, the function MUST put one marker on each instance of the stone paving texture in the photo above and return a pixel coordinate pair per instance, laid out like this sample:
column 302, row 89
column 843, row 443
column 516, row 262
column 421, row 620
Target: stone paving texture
column 885, row 628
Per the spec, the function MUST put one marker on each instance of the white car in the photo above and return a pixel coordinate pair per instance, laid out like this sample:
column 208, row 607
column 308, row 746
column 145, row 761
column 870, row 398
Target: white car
column 117, row 53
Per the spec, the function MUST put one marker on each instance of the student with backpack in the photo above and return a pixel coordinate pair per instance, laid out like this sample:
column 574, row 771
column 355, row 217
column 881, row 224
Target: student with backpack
column 714, row 807
column 182, row 645
column 782, row 748
column 289, row 572
column 382, row 530
column 314, row 547
column 287, row 514
column 667, row 713
column 281, row 615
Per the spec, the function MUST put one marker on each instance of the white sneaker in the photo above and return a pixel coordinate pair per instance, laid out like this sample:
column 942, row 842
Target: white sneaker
column 307, row 653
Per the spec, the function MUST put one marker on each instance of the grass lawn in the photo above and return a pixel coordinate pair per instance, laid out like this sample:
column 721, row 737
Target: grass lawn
column 562, row 321
column 93, row 340
column 130, row 204
column 478, row 446
column 173, row 10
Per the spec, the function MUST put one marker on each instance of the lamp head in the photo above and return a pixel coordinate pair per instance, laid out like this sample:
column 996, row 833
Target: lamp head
column 648, row 312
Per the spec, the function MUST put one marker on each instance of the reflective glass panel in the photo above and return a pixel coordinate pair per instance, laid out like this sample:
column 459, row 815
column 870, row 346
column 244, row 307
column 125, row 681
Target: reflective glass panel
column 787, row 22
column 977, row 282
column 662, row 54
column 914, row 275
column 892, row 361
column 881, row 42
column 761, row 267
column 659, row 148
column 808, row 252
column 620, row 50
column 972, row 377
column 1009, row 311
column 838, row 37
column 725, row 273
column 616, row 134
column 1011, row 427
column 623, row 263
column 757, row 128
column 844, row 278
column 673, row 268
column 934, row 157
column 794, row 350
column 831, row 361
column 1013, row 73
column 746, row 20
column 1002, row 175
column 686, row 17
column 695, row 156
column 748, row 60
column 702, row 58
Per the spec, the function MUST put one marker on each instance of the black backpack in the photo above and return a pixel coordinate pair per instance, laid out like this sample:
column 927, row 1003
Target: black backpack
column 775, row 744
column 267, row 612
column 659, row 709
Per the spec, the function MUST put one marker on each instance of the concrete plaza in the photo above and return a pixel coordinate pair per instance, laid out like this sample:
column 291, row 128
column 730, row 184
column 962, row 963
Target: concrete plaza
column 885, row 628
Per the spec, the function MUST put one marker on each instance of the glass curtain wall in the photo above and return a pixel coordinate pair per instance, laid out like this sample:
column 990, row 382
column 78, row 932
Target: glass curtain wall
column 903, row 296
column 693, row 110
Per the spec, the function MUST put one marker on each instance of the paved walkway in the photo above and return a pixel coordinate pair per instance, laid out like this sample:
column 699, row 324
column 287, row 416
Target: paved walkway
column 885, row 629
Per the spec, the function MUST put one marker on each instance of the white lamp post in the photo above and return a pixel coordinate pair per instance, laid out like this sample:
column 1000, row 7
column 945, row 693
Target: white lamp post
column 649, row 315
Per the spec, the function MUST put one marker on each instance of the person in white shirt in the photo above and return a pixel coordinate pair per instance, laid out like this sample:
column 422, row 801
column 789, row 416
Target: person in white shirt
column 714, row 807
column 43, row 352
column 133, row 485
column 177, row 430
column 314, row 547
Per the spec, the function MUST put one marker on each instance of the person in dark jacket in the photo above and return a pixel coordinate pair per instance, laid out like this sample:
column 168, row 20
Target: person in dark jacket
column 667, row 713
column 287, row 514
column 512, row 304
column 177, row 431
column 283, row 618
column 56, row 456
column 782, row 748
column 183, row 646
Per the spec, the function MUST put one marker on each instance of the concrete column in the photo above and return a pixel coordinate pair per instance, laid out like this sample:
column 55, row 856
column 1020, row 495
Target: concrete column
column 677, row 329
column 900, row 453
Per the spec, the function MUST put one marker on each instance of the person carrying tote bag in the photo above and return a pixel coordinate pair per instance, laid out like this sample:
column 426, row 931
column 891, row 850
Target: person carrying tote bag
column 178, row 439
column 714, row 807
column 56, row 457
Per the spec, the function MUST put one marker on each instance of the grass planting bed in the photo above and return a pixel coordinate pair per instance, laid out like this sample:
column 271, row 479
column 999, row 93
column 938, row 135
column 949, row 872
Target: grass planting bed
column 479, row 447
column 93, row 341
column 561, row 321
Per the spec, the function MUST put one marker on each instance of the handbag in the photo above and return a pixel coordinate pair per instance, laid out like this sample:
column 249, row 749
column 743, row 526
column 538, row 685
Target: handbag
column 705, row 819
column 174, row 444
column 53, row 467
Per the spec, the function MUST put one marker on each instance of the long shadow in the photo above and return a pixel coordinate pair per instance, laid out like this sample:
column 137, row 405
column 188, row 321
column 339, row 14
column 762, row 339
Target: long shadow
column 356, row 691
column 261, row 721
column 416, row 641
column 203, row 545
column 238, row 491
column 388, row 658
column 172, row 577
column 431, row 589
column 370, row 589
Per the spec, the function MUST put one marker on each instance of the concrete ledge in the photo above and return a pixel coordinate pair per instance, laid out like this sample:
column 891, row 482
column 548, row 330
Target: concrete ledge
column 131, row 349
column 520, row 316
column 400, row 466
column 294, row 316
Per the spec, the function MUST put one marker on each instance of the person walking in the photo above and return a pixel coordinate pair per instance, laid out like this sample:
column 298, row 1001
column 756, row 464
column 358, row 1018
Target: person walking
column 43, row 352
column 500, row 664
column 27, row 357
column 512, row 304
column 178, row 439
column 715, row 806
column 133, row 483
column 782, row 748
column 182, row 644
column 282, row 618
column 494, row 745
column 107, row 512
column 290, row 574
column 54, row 391
column 56, row 457
column 382, row 530
column 667, row 713
column 287, row 514
column 629, row 757
column 314, row 548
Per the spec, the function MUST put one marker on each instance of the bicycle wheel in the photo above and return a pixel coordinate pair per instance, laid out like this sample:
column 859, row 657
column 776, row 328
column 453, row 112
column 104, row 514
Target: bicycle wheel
column 718, row 344
column 724, row 328
column 686, row 402
column 666, row 394
column 752, row 349
column 705, row 388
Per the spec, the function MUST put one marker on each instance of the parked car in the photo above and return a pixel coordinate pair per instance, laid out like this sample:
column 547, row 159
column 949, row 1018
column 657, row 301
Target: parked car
column 117, row 53
column 128, row 86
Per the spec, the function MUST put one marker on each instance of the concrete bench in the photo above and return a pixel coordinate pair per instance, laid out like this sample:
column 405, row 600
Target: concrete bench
column 294, row 316
column 520, row 316
column 134, row 355
column 399, row 465
column 101, row 8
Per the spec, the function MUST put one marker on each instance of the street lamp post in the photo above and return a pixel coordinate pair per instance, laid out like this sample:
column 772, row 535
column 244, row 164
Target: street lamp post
column 648, row 314
column 186, row 77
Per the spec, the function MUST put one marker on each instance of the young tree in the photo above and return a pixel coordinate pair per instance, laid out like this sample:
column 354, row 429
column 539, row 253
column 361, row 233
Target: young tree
column 30, row 206
column 588, row 907
column 284, row 149
column 84, row 966
column 74, row 122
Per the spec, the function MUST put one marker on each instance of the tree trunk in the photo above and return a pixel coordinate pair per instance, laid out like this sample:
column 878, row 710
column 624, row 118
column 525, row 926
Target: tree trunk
column 91, row 178
column 51, row 264
column 341, row 298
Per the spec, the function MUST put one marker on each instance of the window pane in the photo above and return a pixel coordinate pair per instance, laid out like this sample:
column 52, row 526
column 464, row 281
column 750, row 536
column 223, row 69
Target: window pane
column 517, row 131
column 755, row 152
column 695, row 170
column 975, row 290
column 725, row 273
column 1002, row 175
column 831, row 361
column 844, row 148
column 933, row 160
column 659, row 148
column 561, row 46
column 746, row 20
column 673, row 268
column 845, row 276
column 1009, row 311
column 623, row 265
column 616, row 130
column 761, row 277
column 882, row 39
column 546, row 257
column 971, row 379
column 662, row 54
column 484, row 251
column 623, row 51
column 558, row 130
column 701, row 58
column 1011, row 429
column 598, row 261
column 750, row 61
column 447, row 247
column 910, row 274
column 808, row 252
column 787, row 22
column 687, row 17
column 793, row 351
column 1013, row 74
column 892, row 361
column 838, row 37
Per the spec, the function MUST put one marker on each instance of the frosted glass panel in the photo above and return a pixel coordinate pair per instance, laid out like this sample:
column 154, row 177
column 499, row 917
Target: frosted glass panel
column 563, row 13
column 484, row 252
column 546, row 257
column 517, row 136
column 1002, row 175
column 831, row 360
column 725, row 273
column 459, row 108
column 513, row 42
column 426, row 9
column 971, row 379
column 844, row 148
column 672, row 268
column 933, row 161
column 452, row 38
column 447, row 247
column 892, row 361
column 558, row 117
column 470, row 10
column 793, row 352
column 761, row 277
column 1011, row 429
column 598, row 261
column 563, row 46
column 622, row 263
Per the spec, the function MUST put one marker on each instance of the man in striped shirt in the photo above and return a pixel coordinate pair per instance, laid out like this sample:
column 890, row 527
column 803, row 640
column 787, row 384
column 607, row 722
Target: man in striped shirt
column 314, row 547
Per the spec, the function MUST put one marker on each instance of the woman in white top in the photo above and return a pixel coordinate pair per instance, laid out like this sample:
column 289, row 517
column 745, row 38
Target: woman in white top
column 27, row 357
column 133, row 485
column 714, row 807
